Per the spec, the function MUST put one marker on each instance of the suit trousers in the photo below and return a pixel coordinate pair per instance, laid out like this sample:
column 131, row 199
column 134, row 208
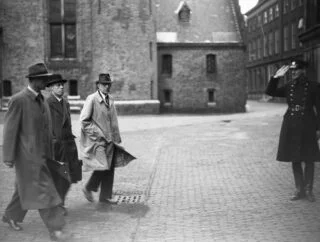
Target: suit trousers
column 52, row 217
column 104, row 179
column 303, row 178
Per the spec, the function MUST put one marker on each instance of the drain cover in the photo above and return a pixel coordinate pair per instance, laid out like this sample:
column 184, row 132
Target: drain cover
column 130, row 199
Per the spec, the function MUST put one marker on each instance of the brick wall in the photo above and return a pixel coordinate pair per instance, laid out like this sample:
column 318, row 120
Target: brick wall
column 190, row 82
column 23, row 39
column 112, row 36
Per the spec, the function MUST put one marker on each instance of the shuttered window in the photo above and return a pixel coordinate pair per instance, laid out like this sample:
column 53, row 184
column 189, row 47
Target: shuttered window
column 62, row 21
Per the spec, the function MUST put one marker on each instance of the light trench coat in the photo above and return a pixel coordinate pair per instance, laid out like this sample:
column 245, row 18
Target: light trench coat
column 99, row 133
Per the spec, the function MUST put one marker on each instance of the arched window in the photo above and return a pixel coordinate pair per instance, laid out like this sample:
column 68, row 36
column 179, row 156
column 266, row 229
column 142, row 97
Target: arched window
column 7, row 88
column 73, row 88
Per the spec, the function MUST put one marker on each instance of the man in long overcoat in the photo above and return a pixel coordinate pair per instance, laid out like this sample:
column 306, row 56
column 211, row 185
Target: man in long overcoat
column 300, row 127
column 27, row 146
column 65, row 149
column 99, row 135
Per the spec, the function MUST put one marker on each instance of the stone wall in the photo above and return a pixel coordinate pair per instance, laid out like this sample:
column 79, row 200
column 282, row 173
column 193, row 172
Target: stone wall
column 190, row 82
column 115, row 36
column 23, row 39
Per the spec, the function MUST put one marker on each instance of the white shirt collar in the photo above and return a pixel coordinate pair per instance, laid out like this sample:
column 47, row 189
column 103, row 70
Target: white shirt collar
column 33, row 91
column 58, row 98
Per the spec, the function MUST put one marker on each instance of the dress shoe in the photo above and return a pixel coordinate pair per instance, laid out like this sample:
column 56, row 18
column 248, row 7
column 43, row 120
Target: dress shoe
column 297, row 196
column 58, row 235
column 13, row 224
column 88, row 195
column 310, row 196
column 108, row 201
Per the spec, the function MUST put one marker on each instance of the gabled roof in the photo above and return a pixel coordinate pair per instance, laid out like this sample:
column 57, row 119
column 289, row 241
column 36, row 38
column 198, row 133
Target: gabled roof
column 182, row 6
column 213, row 21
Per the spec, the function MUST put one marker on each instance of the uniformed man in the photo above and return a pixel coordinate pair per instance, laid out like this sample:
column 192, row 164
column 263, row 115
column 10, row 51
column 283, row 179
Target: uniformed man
column 300, row 127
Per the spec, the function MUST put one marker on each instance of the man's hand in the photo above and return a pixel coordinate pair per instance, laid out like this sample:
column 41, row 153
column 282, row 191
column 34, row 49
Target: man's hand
column 9, row 164
column 281, row 72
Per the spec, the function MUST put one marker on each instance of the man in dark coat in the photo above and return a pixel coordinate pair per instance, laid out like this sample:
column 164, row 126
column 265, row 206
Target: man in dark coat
column 65, row 149
column 300, row 127
column 27, row 147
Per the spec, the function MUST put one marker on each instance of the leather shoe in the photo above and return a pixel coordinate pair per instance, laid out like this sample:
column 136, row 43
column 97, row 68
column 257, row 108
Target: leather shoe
column 297, row 196
column 310, row 196
column 13, row 224
column 58, row 235
column 108, row 201
column 87, row 194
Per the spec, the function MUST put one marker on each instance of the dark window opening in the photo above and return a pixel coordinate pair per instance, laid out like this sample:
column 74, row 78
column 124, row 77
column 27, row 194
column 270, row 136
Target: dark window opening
column 184, row 16
column 62, row 20
column 7, row 88
column 167, row 64
column 211, row 97
column 211, row 63
column 167, row 96
column 150, row 50
column 73, row 88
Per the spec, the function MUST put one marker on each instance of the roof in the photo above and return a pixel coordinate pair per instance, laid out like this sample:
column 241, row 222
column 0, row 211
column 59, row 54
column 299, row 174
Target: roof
column 211, row 21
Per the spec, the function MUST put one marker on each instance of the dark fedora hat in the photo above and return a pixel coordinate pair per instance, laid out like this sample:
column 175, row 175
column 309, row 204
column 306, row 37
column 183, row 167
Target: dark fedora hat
column 298, row 64
column 55, row 78
column 104, row 78
column 38, row 70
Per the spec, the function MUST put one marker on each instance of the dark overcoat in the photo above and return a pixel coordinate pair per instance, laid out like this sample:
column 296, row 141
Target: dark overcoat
column 27, row 142
column 65, row 149
column 298, row 140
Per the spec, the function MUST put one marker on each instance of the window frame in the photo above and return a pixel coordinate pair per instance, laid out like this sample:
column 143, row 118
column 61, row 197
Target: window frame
column 68, row 31
column 211, row 63
column 166, row 67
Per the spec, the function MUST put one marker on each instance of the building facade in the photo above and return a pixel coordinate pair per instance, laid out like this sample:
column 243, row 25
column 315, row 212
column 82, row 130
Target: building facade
column 310, row 38
column 201, row 55
column 82, row 38
column 273, row 28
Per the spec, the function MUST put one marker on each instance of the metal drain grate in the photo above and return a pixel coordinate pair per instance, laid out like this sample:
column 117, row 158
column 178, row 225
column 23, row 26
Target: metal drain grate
column 132, row 199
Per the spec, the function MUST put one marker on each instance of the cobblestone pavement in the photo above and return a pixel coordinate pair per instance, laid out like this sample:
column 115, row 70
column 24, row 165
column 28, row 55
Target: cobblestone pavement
column 197, row 178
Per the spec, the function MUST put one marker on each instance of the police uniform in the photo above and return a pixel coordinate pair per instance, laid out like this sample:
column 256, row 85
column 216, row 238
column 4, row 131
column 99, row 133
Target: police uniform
column 298, row 136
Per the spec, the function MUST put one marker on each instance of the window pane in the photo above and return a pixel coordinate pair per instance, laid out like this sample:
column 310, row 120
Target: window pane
column 167, row 96
column 286, row 38
column 167, row 64
column 73, row 87
column 55, row 11
column 69, row 11
column 7, row 88
column 56, row 40
column 211, row 63
column 70, row 41
column 211, row 96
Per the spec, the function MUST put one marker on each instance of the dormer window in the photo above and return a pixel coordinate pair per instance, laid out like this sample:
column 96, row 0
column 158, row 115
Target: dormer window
column 184, row 12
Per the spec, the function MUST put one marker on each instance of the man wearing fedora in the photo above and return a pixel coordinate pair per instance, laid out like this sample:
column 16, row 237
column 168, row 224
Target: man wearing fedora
column 301, row 125
column 27, row 147
column 64, row 146
column 99, row 134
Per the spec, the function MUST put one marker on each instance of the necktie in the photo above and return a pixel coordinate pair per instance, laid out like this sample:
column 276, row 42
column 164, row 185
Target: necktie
column 107, row 100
